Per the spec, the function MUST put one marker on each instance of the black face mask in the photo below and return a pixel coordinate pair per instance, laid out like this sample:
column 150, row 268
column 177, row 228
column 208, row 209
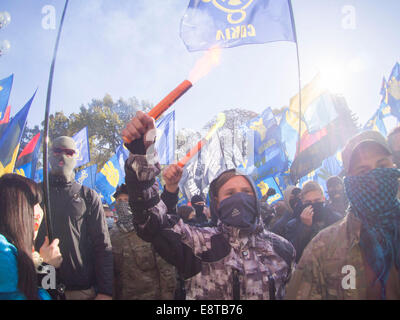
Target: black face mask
column 240, row 211
column 294, row 203
column 319, row 211
column 199, row 208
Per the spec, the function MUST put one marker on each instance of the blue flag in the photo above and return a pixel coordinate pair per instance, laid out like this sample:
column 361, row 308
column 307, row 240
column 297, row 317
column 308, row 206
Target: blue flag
column 376, row 123
column 269, row 154
column 87, row 176
column 5, row 89
column 39, row 175
column 11, row 137
column 262, row 187
column 290, row 132
column 122, row 154
column 232, row 23
column 394, row 91
column 82, row 144
column 165, row 143
column 109, row 177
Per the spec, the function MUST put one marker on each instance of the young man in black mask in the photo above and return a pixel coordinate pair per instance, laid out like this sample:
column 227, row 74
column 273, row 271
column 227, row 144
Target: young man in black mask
column 291, row 200
column 311, row 218
column 237, row 259
column 337, row 198
column 79, row 222
column 198, row 203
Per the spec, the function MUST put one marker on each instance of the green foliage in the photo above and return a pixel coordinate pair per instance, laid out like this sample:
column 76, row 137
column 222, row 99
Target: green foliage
column 105, row 120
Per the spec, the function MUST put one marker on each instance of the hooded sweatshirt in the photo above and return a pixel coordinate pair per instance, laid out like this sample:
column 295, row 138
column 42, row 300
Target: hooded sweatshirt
column 216, row 262
column 279, row 226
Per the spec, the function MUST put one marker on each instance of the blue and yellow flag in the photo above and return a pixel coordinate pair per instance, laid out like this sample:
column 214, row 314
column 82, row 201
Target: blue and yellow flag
column 10, row 139
column 268, row 151
column 27, row 160
column 82, row 144
column 394, row 91
column 384, row 106
column 165, row 143
column 376, row 123
column 231, row 23
column 109, row 177
column 289, row 125
column 5, row 89
column 262, row 187
column 87, row 176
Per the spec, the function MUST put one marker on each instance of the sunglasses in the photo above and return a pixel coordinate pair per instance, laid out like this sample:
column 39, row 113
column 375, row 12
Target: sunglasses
column 68, row 152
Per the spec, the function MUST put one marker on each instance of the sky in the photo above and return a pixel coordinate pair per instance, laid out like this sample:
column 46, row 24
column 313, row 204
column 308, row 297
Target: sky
column 132, row 48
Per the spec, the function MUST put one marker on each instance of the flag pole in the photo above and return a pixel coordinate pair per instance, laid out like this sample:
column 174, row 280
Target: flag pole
column 46, row 189
column 298, row 72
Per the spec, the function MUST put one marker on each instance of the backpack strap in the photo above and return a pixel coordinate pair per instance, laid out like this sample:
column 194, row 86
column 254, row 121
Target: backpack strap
column 86, row 194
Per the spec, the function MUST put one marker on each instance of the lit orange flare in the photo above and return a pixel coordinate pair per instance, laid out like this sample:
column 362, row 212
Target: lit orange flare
column 204, row 65
column 168, row 101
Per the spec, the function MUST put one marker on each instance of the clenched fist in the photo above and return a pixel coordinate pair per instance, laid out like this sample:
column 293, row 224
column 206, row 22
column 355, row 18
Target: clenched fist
column 307, row 216
column 140, row 126
column 172, row 175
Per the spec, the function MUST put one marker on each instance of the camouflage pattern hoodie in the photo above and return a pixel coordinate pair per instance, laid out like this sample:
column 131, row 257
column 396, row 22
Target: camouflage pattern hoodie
column 216, row 262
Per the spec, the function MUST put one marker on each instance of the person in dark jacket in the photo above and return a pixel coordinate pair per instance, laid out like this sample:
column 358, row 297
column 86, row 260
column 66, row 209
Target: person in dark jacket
column 199, row 204
column 188, row 214
column 291, row 199
column 337, row 198
column 267, row 210
column 79, row 222
column 139, row 272
column 238, row 259
column 310, row 218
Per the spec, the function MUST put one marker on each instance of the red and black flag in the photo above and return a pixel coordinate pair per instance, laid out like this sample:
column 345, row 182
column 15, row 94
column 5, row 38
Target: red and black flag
column 27, row 160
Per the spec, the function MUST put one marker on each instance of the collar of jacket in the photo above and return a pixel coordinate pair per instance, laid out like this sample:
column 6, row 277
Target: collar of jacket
column 234, row 236
column 353, row 227
column 59, row 181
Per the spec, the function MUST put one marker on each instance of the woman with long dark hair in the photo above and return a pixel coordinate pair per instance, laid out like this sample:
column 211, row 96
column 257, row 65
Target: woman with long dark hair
column 20, row 217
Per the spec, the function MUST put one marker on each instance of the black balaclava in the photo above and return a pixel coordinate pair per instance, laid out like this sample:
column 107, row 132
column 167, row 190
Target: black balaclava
column 200, row 216
column 61, row 165
column 337, row 197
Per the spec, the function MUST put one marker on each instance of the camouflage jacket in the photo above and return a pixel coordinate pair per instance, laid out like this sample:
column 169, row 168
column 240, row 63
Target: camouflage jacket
column 332, row 267
column 139, row 272
column 215, row 262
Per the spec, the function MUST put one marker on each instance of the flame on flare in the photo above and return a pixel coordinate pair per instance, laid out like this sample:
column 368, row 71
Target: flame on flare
column 205, row 64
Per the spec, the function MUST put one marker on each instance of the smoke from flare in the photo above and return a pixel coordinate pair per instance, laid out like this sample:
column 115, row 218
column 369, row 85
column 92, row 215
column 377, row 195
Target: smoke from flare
column 203, row 66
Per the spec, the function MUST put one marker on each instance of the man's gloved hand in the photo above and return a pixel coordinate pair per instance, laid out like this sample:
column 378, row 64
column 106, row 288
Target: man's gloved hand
column 141, row 131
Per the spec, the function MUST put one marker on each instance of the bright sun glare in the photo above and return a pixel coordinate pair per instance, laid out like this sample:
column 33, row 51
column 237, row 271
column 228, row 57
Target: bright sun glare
column 336, row 76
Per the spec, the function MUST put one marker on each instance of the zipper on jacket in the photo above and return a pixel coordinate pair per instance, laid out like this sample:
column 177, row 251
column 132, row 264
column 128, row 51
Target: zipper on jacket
column 271, row 285
column 236, row 285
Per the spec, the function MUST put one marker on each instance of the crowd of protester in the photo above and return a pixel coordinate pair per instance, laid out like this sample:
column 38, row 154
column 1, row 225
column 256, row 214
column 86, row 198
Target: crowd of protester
column 305, row 246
